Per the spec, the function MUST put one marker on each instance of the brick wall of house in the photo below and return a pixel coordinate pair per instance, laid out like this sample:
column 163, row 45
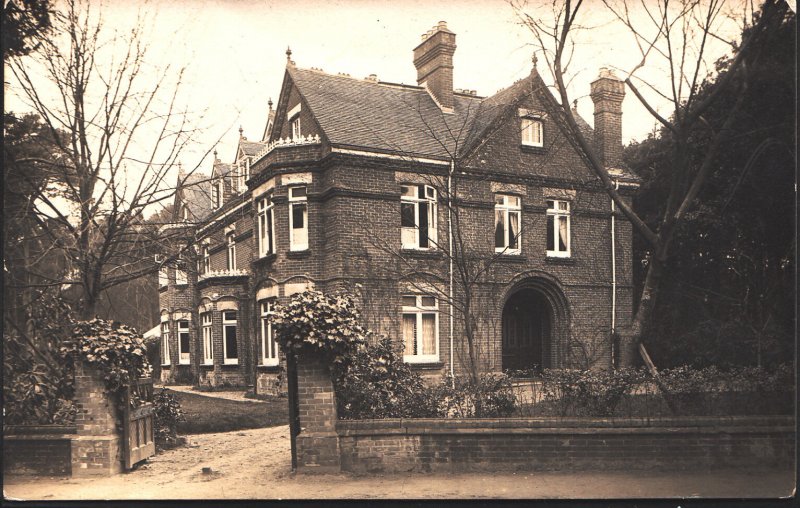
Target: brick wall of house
column 585, row 444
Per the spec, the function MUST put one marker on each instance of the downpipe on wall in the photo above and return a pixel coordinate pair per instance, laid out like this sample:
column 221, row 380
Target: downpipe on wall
column 613, row 278
column 450, row 246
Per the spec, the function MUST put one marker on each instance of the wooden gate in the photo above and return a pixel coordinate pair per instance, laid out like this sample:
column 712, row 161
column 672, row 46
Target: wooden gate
column 138, row 442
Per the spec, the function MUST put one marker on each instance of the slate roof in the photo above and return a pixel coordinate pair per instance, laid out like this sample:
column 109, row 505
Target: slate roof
column 251, row 147
column 388, row 117
column 404, row 119
column 195, row 193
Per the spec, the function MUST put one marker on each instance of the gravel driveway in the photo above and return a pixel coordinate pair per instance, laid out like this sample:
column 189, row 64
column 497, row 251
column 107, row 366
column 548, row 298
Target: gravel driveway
column 255, row 464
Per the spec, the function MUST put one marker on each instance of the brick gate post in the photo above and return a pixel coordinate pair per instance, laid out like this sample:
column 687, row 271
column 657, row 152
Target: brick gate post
column 318, row 442
column 96, row 450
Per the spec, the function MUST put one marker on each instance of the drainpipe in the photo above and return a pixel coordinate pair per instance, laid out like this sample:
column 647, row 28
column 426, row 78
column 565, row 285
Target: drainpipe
column 613, row 276
column 450, row 246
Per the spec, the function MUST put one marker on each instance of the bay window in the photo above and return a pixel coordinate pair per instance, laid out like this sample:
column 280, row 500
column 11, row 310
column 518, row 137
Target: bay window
column 183, row 342
column 298, row 218
column 208, row 338
column 266, row 226
column 165, row 360
column 231, row 256
column 230, row 347
column 269, row 348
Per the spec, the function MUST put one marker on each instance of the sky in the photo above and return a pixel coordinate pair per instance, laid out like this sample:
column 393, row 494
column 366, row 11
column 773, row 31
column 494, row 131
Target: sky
column 235, row 53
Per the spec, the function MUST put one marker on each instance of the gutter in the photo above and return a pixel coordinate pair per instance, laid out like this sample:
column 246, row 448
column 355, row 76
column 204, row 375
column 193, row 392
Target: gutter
column 613, row 276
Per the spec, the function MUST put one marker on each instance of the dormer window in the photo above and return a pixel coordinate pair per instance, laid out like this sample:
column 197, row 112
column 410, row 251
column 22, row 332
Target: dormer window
column 294, row 121
column 532, row 130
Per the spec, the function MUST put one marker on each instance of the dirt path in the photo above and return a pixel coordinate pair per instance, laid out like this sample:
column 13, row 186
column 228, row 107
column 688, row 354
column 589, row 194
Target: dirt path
column 254, row 464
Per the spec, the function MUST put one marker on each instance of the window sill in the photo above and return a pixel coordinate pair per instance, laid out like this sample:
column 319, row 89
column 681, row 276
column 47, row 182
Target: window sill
column 268, row 368
column 224, row 365
column 265, row 260
column 162, row 289
column 510, row 258
column 426, row 365
column 298, row 254
column 422, row 253
column 207, row 366
column 166, row 365
column 533, row 149
column 559, row 260
column 185, row 363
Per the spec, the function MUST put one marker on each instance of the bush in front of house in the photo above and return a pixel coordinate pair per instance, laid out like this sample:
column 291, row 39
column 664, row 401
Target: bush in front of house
column 588, row 392
column 38, row 382
column 167, row 413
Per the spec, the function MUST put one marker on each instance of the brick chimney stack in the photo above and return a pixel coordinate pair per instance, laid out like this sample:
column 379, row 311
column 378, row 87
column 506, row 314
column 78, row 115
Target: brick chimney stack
column 607, row 92
column 433, row 59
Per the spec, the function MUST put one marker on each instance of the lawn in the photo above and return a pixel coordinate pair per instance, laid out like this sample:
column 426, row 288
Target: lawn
column 212, row 414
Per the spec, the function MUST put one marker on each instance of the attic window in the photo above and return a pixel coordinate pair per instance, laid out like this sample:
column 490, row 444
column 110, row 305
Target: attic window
column 294, row 121
column 532, row 129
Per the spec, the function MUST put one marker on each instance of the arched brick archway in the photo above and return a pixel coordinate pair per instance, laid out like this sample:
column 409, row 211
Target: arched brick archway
column 535, row 324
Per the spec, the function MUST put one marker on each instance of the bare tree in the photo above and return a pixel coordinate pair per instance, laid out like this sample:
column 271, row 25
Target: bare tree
column 669, row 35
column 118, row 130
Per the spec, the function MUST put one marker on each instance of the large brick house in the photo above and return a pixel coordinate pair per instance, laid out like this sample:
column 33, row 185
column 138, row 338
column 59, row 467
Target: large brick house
column 355, row 185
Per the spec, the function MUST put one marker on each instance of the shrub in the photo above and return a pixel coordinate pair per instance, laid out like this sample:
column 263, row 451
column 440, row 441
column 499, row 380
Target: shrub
column 491, row 397
column 167, row 413
column 37, row 378
column 587, row 392
column 116, row 350
column 377, row 383
column 318, row 324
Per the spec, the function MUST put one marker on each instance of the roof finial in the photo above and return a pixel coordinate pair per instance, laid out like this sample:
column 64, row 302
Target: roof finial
column 289, row 60
column 575, row 104
column 241, row 132
column 535, row 59
column 269, row 103
column 215, row 155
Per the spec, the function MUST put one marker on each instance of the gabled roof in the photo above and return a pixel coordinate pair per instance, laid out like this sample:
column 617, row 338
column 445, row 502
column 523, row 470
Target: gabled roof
column 251, row 148
column 193, row 191
column 383, row 116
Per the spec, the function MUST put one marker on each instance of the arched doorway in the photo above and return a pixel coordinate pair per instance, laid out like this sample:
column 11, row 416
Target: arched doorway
column 527, row 331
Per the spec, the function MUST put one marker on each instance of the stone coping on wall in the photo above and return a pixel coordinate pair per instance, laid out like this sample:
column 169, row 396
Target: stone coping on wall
column 39, row 431
column 694, row 424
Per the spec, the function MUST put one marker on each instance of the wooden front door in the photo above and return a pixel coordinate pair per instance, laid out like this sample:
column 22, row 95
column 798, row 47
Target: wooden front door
column 526, row 330
column 138, row 442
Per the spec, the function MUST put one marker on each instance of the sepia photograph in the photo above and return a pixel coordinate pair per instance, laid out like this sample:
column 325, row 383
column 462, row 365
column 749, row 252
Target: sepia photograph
column 407, row 250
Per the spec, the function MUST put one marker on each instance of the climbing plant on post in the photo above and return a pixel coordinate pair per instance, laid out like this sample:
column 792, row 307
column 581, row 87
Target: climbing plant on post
column 320, row 332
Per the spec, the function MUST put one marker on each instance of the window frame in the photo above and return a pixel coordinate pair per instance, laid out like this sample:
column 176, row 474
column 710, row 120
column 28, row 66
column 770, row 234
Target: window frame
column 226, row 325
column 163, row 276
column 508, row 209
column 556, row 214
column 530, row 126
column 266, row 225
column 207, row 332
column 296, row 201
column 430, row 200
column 294, row 124
column 418, row 311
column 269, row 347
column 230, row 253
column 165, row 349
column 206, row 259
column 184, row 330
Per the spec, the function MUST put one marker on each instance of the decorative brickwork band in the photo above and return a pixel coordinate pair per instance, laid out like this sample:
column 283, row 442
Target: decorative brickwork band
column 318, row 442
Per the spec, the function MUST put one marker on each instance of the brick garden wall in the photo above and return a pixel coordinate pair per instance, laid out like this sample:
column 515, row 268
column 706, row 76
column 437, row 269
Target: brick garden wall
column 39, row 450
column 580, row 444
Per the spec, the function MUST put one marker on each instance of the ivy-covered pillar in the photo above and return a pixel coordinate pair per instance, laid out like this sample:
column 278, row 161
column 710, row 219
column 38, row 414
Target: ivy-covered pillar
column 96, row 451
column 318, row 442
